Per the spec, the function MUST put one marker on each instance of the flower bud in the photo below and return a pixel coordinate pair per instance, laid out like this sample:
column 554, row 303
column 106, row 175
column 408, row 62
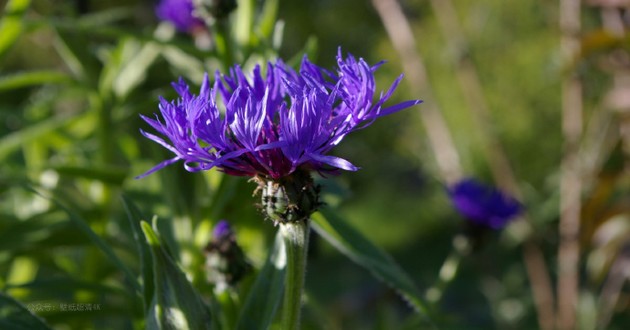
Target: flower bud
column 225, row 261
column 289, row 199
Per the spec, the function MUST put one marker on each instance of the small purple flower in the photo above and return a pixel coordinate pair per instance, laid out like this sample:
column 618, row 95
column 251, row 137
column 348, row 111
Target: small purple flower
column 483, row 205
column 179, row 13
column 222, row 230
column 271, row 124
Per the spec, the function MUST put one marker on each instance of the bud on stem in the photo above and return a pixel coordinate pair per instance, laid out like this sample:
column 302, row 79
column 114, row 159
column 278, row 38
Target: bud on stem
column 290, row 199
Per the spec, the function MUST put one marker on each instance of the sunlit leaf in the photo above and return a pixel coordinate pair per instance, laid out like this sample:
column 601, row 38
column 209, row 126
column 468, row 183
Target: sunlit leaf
column 11, row 25
column 135, row 69
column 146, row 263
column 244, row 21
column 268, row 18
column 175, row 303
column 266, row 293
column 188, row 65
column 32, row 78
column 358, row 248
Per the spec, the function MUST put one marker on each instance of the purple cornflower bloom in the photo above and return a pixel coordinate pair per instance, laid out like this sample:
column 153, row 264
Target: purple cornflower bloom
column 483, row 205
column 179, row 13
column 271, row 124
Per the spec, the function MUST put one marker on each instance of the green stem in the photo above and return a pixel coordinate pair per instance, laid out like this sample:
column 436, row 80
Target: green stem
column 448, row 271
column 295, row 235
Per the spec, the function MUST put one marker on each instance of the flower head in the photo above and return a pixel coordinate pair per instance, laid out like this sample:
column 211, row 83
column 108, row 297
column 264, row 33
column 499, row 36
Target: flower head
column 179, row 13
column 483, row 205
column 272, row 124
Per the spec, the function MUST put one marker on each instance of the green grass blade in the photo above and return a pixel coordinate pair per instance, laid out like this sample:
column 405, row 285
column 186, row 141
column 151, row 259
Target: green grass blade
column 32, row 78
column 268, row 18
column 266, row 293
column 11, row 25
column 14, row 141
column 146, row 265
column 358, row 248
column 15, row 316
column 98, row 241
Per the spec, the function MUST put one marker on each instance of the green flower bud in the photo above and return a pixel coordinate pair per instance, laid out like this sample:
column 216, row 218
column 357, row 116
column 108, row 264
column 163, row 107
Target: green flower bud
column 289, row 199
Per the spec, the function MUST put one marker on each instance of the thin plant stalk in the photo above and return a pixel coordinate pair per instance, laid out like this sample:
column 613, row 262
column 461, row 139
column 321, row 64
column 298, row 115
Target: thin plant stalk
column 570, row 180
column 440, row 138
column 449, row 269
column 619, row 273
column 295, row 235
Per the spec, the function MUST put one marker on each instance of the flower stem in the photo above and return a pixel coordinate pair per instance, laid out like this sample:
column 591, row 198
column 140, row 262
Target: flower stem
column 295, row 235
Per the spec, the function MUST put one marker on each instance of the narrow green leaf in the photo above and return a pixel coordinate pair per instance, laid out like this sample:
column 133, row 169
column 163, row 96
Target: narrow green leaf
column 16, row 140
column 113, row 62
column 190, row 66
column 104, row 173
column 15, row 316
column 175, row 304
column 135, row 69
column 32, row 78
column 96, row 240
column 244, row 22
column 37, row 233
column 358, row 248
column 58, row 287
column 266, row 293
column 268, row 18
column 146, row 262
column 11, row 25
column 79, row 59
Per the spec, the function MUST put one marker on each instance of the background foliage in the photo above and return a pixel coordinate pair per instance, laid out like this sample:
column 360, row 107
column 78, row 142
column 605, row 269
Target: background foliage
column 74, row 76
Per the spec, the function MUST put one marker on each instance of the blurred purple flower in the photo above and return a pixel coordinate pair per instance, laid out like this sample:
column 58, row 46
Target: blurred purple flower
column 271, row 124
column 222, row 230
column 179, row 13
column 483, row 205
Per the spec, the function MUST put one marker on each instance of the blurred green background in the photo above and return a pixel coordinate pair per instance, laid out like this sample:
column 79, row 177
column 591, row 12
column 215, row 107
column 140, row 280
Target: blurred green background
column 79, row 73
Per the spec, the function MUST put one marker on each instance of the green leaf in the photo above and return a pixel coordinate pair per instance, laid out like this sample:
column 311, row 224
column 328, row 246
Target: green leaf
column 58, row 287
column 268, row 18
column 135, row 68
column 175, row 304
column 11, row 25
column 244, row 22
column 81, row 224
column 82, row 63
column 16, row 140
column 15, row 316
column 358, row 248
column 190, row 66
column 32, row 78
column 39, row 232
column 266, row 293
column 104, row 173
column 146, row 263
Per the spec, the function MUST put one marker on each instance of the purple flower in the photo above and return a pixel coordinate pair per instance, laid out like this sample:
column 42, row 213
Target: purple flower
column 221, row 230
column 179, row 13
column 483, row 205
column 271, row 124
